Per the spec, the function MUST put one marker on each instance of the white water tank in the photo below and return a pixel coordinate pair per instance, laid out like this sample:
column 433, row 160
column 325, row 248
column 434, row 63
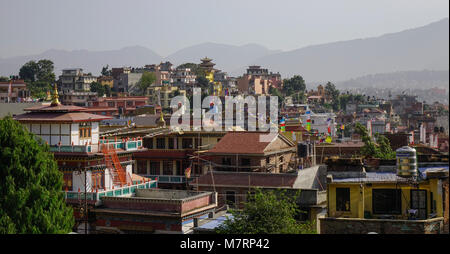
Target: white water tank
column 406, row 162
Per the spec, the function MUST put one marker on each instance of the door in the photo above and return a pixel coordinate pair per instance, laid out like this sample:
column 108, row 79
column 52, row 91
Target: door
column 419, row 202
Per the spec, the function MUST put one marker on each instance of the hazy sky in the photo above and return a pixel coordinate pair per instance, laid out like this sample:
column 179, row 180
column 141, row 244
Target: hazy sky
column 32, row 26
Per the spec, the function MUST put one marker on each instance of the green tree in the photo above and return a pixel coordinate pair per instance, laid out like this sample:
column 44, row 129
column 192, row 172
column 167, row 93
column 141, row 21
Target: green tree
column 270, row 212
column 4, row 79
column 32, row 200
column 202, row 81
column 147, row 79
column 39, row 76
column 294, row 85
column 28, row 71
column 195, row 68
column 380, row 149
column 107, row 90
column 105, row 71
column 97, row 88
column 331, row 90
column 276, row 92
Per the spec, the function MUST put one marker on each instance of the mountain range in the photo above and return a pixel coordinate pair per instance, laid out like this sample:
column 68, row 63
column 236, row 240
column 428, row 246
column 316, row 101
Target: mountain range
column 422, row 48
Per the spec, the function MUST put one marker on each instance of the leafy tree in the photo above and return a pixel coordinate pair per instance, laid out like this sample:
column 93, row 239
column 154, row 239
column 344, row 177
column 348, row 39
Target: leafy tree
column 271, row 212
column 39, row 76
column 105, row 71
column 195, row 68
column 147, row 79
column 380, row 149
column 3, row 79
column 28, row 71
column 202, row 81
column 294, row 85
column 107, row 90
column 32, row 200
column 331, row 90
column 97, row 88
column 276, row 92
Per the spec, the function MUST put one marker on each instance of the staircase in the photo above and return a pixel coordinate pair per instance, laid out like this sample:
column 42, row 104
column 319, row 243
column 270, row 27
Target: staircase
column 113, row 164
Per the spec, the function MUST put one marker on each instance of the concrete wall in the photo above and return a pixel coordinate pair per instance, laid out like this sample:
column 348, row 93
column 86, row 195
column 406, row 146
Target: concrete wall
column 364, row 226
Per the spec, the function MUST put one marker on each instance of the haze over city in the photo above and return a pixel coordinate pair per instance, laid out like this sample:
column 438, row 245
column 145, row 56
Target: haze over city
column 168, row 26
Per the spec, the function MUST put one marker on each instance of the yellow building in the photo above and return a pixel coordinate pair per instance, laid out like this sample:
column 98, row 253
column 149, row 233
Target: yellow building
column 378, row 197
column 106, row 80
column 361, row 202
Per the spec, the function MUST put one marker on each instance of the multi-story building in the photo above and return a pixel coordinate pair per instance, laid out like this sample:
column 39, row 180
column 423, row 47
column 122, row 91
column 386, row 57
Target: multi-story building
column 254, row 82
column 183, row 78
column 81, row 99
column 321, row 122
column 248, row 152
column 92, row 167
column 106, row 81
column 120, row 105
column 169, row 154
column 14, row 91
column 75, row 80
column 127, row 82
column 361, row 201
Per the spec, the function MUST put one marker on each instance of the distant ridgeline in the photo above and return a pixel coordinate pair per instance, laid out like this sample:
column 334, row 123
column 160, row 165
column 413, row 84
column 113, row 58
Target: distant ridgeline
column 429, row 86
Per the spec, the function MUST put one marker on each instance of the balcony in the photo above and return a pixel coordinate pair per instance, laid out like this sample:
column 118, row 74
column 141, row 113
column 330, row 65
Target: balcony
column 167, row 178
column 127, row 146
column 94, row 198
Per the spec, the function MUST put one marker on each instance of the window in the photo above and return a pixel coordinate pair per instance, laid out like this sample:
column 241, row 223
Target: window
column 85, row 130
column 171, row 143
column 141, row 167
column 245, row 162
column 343, row 199
column 154, row 168
column 226, row 161
column 160, row 143
column 230, row 198
column 167, row 168
column 187, row 143
column 386, row 201
column 419, row 203
column 268, row 160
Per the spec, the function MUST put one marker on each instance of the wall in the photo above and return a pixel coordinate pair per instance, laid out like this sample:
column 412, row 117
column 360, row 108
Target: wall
column 361, row 198
column 364, row 226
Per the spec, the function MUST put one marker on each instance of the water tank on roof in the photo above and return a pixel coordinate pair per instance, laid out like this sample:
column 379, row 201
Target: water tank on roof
column 406, row 162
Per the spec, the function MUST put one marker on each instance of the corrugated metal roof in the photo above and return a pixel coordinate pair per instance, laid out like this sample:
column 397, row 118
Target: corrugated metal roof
column 380, row 177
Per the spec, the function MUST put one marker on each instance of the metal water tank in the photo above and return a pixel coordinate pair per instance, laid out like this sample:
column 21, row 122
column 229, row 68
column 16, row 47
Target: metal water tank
column 406, row 162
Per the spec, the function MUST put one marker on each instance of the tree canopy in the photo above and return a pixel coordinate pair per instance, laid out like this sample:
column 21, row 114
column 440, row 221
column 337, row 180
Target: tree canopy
column 98, row 88
column 105, row 71
column 269, row 212
column 331, row 90
column 147, row 79
column 32, row 200
column 380, row 149
column 39, row 76
column 294, row 85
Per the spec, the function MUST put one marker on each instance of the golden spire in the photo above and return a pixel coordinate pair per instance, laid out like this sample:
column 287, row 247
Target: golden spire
column 55, row 101
column 161, row 122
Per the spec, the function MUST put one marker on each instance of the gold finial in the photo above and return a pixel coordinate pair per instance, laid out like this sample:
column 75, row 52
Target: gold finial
column 161, row 122
column 55, row 101
column 49, row 96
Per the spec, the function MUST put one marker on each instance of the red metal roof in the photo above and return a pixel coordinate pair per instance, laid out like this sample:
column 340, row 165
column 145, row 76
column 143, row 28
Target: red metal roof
column 60, row 117
column 59, row 108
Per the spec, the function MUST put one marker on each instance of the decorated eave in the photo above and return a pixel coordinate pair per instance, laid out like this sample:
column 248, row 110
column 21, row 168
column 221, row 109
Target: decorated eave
column 59, row 117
